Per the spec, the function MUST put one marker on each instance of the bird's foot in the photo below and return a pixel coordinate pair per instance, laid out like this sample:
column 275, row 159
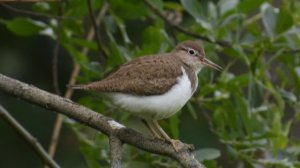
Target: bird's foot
column 178, row 145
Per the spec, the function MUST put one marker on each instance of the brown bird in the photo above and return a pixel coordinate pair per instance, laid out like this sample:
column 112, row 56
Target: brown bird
column 155, row 87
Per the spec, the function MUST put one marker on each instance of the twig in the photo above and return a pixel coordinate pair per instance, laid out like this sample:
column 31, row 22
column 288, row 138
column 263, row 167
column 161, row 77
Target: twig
column 95, row 26
column 181, row 29
column 55, row 67
column 36, row 146
column 30, row 13
column 56, row 51
column 95, row 120
column 115, row 151
column 69, row 91
column 292, row 51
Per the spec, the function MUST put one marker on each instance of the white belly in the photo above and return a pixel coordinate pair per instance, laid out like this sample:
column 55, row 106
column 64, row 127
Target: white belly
column 157, row 106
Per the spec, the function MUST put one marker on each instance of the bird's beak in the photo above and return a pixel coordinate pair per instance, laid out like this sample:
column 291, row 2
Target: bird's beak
column 209, row 63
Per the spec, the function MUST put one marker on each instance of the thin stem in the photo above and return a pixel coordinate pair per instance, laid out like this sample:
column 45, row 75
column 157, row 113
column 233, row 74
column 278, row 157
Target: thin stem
column 36, row 146
column 95, row 26
column 35, row 14
column 56, row 51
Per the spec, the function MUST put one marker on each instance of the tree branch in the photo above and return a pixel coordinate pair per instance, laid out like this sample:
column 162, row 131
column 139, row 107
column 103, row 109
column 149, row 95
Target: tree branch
column 56, row 50
column 95, row 26
column 35, row 14
column 36, row 146
column 95, row 120
column 115, row 151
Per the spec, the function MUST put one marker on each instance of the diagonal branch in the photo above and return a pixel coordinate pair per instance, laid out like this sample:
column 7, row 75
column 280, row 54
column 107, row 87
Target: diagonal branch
column 95, row 26
column 36, row 146
column 95, row 120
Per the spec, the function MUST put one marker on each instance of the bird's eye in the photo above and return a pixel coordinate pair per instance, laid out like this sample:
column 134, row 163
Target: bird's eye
column 192, row 52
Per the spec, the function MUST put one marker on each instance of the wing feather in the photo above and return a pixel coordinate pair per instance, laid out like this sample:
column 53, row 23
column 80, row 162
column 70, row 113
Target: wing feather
column 143, row 76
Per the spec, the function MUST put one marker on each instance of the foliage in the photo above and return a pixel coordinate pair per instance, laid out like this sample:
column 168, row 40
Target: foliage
column 249, row 108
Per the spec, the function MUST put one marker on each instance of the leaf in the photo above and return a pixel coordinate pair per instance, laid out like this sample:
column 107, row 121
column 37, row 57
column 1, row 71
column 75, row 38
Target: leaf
column 174, row 124
column 288, row 95
column 247, row 6
column 154, row 40
column 194, row 8
column 269, row 18
column 158, row 3
column 41, row 6
column 25, row 26
column 84, row 43
column 130, row 9
column 227, row 5
column 173, row 5
column 207, row 154
column 284, row 21
column 77, row 55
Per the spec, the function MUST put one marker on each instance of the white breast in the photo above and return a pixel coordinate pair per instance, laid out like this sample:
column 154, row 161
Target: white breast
column 157, row 106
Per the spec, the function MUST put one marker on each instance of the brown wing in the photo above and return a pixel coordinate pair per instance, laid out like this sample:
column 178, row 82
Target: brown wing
column 143, row 76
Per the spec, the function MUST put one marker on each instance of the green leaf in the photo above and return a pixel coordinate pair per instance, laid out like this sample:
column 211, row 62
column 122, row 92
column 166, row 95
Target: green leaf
column 41, row 7
column 84, row 43
column 194, row 8
column 25, row 26
column 154, row 40
column 173, row 5
column 269, row 17
column 227, row 5
column 174, row 123
column 129, row 9
column 158, row 3
column 247, row 6
column 207, row 154
column 290, row 96
column 284, row 21
column 77, row 55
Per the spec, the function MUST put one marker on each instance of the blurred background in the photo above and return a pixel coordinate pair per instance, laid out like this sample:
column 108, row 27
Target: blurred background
column 245, row 116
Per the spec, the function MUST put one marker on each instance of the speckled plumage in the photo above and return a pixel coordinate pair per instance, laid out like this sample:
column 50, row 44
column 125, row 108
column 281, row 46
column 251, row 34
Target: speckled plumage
column 148, row 75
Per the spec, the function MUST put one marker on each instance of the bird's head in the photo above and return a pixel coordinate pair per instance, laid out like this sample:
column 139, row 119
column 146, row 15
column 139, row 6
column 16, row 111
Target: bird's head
column 192, row 54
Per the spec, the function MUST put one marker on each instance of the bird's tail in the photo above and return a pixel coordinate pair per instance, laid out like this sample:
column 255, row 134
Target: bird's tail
column 77, row 87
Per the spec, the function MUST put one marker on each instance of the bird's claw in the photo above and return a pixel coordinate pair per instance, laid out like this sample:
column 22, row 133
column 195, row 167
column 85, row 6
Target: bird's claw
column 178, row 145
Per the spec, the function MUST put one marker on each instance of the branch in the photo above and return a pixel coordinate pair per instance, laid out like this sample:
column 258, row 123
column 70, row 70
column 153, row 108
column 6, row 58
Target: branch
column 95, row 26
column 72, row 80
column 115, row 151
column 95, row 120
column 27, row 137
column 35, row 14
column 181, row 29
column 56, row 50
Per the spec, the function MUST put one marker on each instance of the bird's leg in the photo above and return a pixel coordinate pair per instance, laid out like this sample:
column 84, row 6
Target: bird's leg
column 175, row 143
column 151, row 127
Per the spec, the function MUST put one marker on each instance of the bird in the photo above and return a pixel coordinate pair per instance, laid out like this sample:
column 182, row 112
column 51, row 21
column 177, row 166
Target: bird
column 155, row 87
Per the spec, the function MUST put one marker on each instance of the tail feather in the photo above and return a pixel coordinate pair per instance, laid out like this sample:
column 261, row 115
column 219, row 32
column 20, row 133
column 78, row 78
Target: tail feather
column 77, row 86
